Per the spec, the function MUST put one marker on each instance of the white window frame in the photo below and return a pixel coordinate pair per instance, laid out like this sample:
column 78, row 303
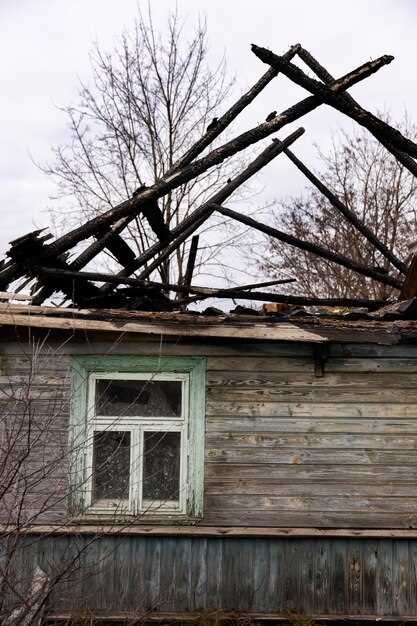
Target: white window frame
column 137, row 425
column 190, row 372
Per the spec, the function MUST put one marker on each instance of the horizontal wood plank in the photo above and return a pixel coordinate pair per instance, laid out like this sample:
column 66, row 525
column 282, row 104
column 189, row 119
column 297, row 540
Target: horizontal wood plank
column 305, row 456
column 284, row 331
column 304, row 504
column 316, row 410
column 315, row 395
column 322, row 519
column 254, row 424
column 314, row 473
column 256, row 441
column 230, row 485
column 277, row 380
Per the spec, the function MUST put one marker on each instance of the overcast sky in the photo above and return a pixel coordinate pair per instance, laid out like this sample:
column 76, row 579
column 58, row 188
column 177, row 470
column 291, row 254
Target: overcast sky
column 44, row 50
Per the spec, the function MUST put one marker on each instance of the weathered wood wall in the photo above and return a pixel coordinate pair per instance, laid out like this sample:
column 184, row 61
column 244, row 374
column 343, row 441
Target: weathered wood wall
column 284, row 447
column 280, row 577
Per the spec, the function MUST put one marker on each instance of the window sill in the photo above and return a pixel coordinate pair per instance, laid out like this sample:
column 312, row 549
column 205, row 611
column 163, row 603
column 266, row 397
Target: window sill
column 142, row 519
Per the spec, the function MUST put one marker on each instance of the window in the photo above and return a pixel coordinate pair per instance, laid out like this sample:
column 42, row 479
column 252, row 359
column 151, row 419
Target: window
column 137, row 436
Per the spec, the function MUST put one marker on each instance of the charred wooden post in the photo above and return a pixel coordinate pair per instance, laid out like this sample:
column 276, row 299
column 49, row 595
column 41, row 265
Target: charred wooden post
column 409, row 288
column 118, row 247
column 189, row 270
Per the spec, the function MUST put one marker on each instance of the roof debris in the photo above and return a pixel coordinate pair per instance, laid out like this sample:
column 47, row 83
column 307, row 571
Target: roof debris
column 44, row 263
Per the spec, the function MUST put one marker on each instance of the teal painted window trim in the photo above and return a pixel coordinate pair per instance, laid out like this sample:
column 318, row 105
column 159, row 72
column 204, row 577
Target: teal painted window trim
column 194, row 367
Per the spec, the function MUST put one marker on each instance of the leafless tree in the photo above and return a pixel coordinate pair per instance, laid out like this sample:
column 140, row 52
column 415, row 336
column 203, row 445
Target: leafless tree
column 38, row 489
column 380, row 191
column 147, row 102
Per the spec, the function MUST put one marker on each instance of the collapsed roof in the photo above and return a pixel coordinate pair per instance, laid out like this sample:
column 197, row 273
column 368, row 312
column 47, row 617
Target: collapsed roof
column 44, row 263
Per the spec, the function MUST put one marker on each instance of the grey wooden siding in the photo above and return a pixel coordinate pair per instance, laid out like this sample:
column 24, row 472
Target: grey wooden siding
column 283, row 447
column 281, row 577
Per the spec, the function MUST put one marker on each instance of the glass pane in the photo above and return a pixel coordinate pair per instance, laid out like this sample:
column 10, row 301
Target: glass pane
column 138, row 397
column 111, row 466
column 161, row 466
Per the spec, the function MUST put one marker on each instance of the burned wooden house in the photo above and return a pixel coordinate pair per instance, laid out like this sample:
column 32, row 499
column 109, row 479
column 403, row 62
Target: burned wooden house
column 160, row 463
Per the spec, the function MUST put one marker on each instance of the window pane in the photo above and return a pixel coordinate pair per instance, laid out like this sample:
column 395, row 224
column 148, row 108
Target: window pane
column 161, row 466
column 138, row 397
column 111, row 466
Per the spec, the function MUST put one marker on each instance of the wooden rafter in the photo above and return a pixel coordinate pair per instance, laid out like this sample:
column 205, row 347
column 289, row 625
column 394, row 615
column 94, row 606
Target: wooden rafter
column 34, row 258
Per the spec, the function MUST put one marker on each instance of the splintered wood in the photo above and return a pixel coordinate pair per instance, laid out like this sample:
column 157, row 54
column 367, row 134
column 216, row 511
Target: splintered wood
column 44, row 264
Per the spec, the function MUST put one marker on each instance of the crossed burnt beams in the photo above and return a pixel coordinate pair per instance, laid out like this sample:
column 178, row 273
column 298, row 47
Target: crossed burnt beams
column 39, row 260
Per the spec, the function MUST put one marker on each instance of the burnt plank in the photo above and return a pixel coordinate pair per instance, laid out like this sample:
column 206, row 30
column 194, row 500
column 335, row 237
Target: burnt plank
column 120, row 249
column 409, row 288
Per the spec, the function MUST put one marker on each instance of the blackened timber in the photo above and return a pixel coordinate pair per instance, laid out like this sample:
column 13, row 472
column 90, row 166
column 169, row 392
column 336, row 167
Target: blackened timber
column 264, row 296
column 87, row 255
column 28, row 250
column 201, row 214
column 210, row 292
column 192, row 255
column 9, row 274
column 187, row 232
column 267, row 283
column 328, row 95
column 227, row 118
column 313, row 248
column 350, row 215
column 215, row 157
column 322, row 73
column 136, row 282
column 118, row 247
column 409, row 288
column 153, row 214
column 241, row 293
column 190, row 224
